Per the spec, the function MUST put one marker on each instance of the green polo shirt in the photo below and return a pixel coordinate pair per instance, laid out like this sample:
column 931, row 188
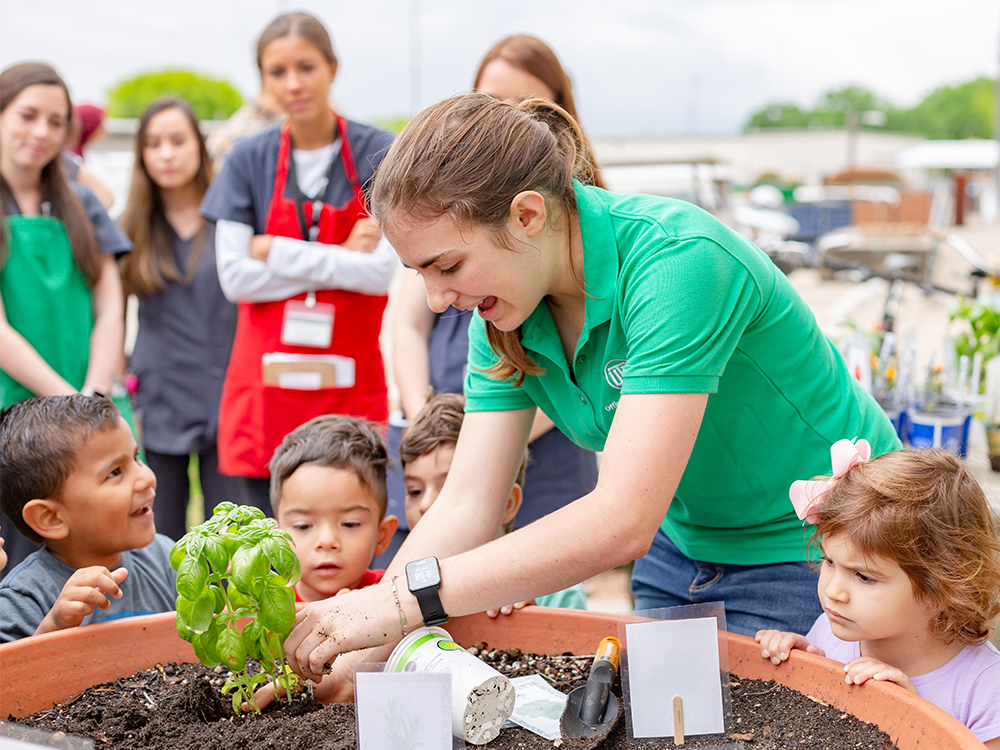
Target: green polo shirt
column 679, row 303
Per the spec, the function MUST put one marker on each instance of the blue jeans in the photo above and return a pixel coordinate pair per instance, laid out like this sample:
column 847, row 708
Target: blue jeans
column 781, row 596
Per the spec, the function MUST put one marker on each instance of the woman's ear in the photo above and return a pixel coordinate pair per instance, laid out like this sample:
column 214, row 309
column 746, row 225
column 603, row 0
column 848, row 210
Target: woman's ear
column 528, row 213
column 386, row 528
column 513, row 504
column 45, row 517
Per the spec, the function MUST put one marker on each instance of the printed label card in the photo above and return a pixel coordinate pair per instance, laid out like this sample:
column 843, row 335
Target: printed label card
column 399, row 711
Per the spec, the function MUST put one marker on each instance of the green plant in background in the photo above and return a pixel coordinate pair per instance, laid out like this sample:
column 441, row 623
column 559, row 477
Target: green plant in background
column 980, row 331
column 238, row 565
column 211, row 98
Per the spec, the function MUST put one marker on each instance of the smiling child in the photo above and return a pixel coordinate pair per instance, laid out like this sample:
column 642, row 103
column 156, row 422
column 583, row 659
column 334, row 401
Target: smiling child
column 328, row 491
column 72, row 481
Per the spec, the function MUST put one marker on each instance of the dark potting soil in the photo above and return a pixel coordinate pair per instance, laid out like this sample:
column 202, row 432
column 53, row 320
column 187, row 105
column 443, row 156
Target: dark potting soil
column 179, row 707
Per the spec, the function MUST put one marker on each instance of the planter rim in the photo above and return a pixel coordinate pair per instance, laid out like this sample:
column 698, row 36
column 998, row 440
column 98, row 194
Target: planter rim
column 81, row 655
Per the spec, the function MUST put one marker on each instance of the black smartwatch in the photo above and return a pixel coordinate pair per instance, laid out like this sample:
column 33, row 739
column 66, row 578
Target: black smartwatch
column 423, row 579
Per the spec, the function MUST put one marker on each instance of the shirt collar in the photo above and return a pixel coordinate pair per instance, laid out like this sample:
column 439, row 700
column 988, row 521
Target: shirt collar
column 600, row 271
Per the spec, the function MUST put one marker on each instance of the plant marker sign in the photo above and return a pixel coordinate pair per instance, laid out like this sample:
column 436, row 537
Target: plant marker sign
column 669, row 659
column 400, row 711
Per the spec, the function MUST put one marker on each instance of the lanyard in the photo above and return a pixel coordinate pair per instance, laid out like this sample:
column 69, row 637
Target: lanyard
column 312, row 232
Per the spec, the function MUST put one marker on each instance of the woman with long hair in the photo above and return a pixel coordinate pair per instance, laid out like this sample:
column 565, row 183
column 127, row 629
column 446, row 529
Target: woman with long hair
column 186, row 325
column 61, row 308
column 296, row 249
column 430, row 349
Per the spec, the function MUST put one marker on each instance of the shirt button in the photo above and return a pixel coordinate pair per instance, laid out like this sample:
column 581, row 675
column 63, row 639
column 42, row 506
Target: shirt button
column 581, row 359
column 583, row 400
column 217, row 372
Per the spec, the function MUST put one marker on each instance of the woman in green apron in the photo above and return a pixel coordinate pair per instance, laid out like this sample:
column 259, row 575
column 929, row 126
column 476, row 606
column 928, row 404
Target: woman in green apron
column 61, row 305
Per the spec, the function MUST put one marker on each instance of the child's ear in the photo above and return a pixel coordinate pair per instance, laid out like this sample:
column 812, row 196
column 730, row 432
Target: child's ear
column 45, row 518
column 513, row 504
column 386, row 528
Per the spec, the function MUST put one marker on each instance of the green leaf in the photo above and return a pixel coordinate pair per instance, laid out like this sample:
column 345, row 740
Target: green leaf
column 277, row 606
column 282, row 558
column 240, row 601
column 253, row 639
column 206, row 649
column 191, row 577
column 247, row 565
column 203, row 610
column 232, row 650
column 196, row 544
column 178, row 551
column 216, row 553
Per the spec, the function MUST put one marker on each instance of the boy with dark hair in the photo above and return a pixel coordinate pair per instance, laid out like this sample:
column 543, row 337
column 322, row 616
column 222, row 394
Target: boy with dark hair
column 328, row 491
column 426, row 451
column 70, row 479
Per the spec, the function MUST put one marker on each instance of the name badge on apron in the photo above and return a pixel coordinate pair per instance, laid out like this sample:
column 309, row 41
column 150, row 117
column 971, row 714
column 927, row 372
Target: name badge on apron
column 308, row 323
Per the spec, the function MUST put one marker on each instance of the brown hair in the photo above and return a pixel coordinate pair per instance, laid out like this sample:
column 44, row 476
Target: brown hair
column 922, row 509
column 450, row 161
column 301, row 25
column 339, row 442
column 536, row 58
column 438, row 423
column 55, row 187
column 146, row 270
column 39, row 442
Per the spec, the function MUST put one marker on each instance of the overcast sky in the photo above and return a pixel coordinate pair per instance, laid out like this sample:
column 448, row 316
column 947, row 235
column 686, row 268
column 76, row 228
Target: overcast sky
column 638, row 66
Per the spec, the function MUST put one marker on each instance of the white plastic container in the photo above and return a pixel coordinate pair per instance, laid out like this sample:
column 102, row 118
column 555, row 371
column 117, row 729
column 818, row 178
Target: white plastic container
column 482, row 699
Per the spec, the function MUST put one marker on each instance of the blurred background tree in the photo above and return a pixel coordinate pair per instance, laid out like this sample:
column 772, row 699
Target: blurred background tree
column 211, row 98
column 967, row 110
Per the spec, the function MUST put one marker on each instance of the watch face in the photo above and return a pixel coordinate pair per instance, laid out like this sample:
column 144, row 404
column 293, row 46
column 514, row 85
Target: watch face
column 423, row 574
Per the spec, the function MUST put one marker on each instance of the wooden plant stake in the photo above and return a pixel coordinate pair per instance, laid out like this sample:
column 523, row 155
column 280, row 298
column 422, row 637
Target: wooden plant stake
column 678, row 720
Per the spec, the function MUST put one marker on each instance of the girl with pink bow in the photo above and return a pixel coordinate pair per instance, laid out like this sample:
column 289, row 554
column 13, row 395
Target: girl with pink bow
column 909, row 579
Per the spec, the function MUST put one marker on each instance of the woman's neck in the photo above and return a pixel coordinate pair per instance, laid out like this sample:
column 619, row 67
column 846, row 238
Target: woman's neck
column 314, row 134
column 180, row 207
column 25, row 185
column 915, row 655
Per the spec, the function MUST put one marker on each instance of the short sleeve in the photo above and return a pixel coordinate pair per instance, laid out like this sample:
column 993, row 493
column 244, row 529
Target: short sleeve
column 684, row 310
column 482, row 392
column 110, row 237
column 230, row 196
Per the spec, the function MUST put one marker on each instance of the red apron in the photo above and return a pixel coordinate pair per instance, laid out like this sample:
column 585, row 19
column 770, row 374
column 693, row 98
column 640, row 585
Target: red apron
column 254, row 417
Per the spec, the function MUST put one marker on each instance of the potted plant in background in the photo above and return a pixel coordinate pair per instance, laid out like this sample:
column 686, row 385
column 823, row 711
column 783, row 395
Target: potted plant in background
column 979, row 333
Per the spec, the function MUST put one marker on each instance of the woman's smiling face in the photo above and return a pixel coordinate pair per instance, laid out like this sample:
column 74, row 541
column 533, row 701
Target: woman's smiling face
column 466, row 267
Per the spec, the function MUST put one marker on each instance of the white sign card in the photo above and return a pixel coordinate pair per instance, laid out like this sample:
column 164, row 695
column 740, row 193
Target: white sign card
column 399, row 711
column 669, row 658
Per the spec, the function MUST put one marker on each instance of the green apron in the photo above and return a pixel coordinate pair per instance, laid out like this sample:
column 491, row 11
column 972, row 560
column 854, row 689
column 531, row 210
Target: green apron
column 46, row 300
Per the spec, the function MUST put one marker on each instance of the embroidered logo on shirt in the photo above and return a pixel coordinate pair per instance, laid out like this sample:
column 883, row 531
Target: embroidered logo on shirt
column 613, row 373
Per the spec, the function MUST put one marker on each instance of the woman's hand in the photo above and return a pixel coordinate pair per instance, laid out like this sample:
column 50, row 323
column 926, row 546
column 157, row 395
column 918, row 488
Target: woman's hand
column 260, row 246
column 776, row 645
column 866, row 668
column 364, row 236
column 325, row 629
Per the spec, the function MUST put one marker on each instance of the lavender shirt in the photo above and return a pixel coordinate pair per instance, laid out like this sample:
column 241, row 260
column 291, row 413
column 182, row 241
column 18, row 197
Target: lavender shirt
column 967, row 687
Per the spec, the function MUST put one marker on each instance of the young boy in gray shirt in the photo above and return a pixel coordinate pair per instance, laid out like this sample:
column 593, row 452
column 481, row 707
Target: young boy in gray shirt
column 71, row 479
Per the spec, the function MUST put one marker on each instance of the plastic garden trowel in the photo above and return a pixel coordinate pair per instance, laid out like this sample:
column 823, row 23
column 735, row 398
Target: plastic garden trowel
column 591, row 710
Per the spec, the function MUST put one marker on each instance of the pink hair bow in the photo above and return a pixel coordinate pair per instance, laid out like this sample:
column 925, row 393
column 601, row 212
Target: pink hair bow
column 844, row 454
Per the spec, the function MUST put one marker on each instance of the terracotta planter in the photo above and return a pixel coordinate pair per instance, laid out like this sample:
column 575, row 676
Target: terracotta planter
column 41, row 671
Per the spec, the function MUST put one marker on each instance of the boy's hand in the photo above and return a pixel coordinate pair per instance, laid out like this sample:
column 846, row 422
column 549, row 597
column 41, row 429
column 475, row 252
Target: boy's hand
column 364, row 236
column 86, row 588
column 509, row 608
column 866, row 668
column 777, row 644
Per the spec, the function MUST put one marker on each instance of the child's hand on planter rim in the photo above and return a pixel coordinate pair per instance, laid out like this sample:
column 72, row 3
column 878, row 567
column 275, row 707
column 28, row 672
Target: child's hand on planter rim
column 509, row 608
column 86, row 588
column 866, row 668
column 776, row 645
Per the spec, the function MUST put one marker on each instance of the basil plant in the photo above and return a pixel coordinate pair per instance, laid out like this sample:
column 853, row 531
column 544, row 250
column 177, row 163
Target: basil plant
column 235, row 600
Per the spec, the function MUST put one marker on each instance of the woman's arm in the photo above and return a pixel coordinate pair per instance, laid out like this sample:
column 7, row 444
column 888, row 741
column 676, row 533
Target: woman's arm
column 293, row 266
column 644, row 458
column 19, row 359
column 412, row 324
column 107, row 340
column 98, row 188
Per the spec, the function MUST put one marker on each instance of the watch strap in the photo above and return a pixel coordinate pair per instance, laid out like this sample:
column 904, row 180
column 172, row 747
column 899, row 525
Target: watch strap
column 431, row 609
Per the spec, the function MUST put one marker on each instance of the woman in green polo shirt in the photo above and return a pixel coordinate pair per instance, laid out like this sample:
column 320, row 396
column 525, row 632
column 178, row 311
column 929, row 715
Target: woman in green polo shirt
column 642, row 327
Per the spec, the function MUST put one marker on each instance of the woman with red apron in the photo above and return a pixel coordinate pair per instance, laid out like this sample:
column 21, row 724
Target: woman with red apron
column 295, row 248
